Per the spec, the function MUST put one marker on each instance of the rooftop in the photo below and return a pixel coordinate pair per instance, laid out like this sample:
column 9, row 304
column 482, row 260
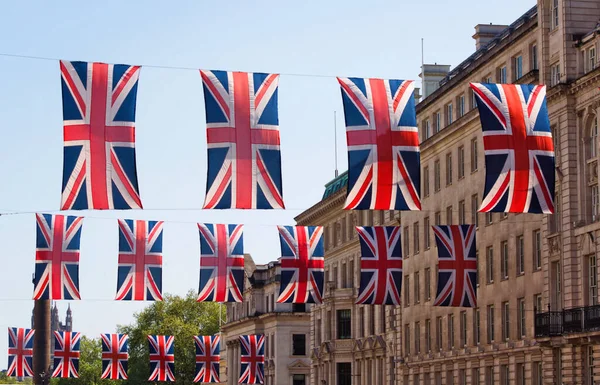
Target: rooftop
column 336, row 185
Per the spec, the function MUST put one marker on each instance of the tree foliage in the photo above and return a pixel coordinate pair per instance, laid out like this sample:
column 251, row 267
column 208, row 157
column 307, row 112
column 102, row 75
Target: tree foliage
column 4, row 379
column 181, row 317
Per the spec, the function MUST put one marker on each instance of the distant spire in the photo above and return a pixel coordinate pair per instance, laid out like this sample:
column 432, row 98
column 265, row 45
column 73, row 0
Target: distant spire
column 69, row 309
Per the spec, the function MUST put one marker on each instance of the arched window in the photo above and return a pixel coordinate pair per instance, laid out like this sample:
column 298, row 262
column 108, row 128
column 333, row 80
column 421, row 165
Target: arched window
column 591, row 139
column 591, row 168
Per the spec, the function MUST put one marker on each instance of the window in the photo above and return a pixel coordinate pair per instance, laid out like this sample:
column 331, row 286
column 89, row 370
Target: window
column 344, row 329
column 417, row 338
column 593, row 280
column 417, row 288
column 505, row 321
column 591, row 59
column 438, row 122
column 502, row 75
column 427, row 335
column 490, row 264
column 461, row 106
column 436, row 176
column 382, row 319
column 474, row 155
column 554, row 14
column 489, row 375
column 555, row 74
column 590, row 364
column 490, row 323
column 406, row 242
column 406, row 339
column 504, row 374
column 520, row 255
column 520, row 374
column 518, row 67
column 537, row 249
column 592, row 140
column 521, row 326
column 427, row 129
column 463, row 329
column 538, row 374
column 461, row 212
column 449, row 113
column 450, row 331
column 406, row 285
column 351, row 273
column 476, row 328
column 438, row 333
column 475, row 373
column 473, row 99
column 449, row 215
column 450, row 377
column 595, row 201
column 438, row 218
column 416, row 242
column 298, row 344
column 504, row 260
column 462, row 377
column 427, row 284
column 534, row 57
column 537, row 303
column 448, row 169
column 344, row 276
column 426, row 181
column 371, row 320
column 489, row 218
column 416, row 378
column 474, row 208
column 426, row 230
column 461, row 162
column 344, row 373
column 299, row 379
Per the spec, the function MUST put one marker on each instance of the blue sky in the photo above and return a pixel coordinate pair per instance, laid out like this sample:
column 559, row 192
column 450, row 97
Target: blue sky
column 326, row 38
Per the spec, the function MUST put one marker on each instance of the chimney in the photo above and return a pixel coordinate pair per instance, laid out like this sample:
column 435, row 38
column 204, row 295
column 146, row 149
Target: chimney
column 431, row 75
column 484, row 33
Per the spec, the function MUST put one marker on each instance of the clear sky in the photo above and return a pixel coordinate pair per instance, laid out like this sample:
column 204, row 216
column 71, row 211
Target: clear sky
column 326, row 38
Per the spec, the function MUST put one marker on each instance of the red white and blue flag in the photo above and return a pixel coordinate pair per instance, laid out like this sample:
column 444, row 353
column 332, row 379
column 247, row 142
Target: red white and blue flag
column 114, row 356
column 140, row 260
column 252, row 359
column 57, row 257
column 302, row 264
column 383, row 144
column 99, row 136
column 221, row 263
column 207, row 358
column 162, row 358
column 244, row 158
column 380, row 265
column 519, row 152
column 457, row 266
column 20, row 352
column 66, row 354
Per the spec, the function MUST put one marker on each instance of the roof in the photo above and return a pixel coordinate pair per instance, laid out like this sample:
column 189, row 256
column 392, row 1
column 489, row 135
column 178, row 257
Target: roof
column 336, row 185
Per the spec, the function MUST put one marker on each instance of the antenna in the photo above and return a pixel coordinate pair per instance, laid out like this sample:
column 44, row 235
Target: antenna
column 335, row 138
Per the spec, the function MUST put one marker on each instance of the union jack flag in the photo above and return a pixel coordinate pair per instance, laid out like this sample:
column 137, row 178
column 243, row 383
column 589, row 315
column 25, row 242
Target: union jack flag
column 114, row 356
column 302, row 264
column 252, row 359
column 383, row 144
column 221, row 263
column 99, row 136
column 457, row 266
column 244, row 159
column 57, row 257
column 66, row 354
column 380, row 265
column 519, row 153
column 207, row 358
column 20, row 352
column 162, row 358
column 140, row 260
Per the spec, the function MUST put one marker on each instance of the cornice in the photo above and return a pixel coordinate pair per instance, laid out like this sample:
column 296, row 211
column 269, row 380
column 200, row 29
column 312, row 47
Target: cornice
column 322, row 208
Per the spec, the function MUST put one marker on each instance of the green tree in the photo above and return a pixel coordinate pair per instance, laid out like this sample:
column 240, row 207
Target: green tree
column 181, row 317
column 4, row 379
column 90, row 365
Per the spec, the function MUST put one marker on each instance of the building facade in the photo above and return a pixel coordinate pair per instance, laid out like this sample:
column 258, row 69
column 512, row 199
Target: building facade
column 286, row 328
column 538, row 318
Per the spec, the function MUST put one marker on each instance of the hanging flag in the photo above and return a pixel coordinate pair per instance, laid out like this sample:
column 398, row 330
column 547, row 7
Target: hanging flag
column 20, row 352
column 66, row 354
column 114, row 356
column 57, row 257
column 252, row 359
column 221, row 263
column 140, row 260
column 99, row 136
column 457, row 266
column 302, row 264
column 207, row 358
column 244, row 160
column 162, row 358
column 380, row 265
column 519, row 153
column 383, row 144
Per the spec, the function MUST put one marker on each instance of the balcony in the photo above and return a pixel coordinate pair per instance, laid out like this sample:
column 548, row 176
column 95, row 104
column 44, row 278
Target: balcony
column 568, row 321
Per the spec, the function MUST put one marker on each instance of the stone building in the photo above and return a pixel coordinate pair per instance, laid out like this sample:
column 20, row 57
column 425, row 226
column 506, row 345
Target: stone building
column 286, row 328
